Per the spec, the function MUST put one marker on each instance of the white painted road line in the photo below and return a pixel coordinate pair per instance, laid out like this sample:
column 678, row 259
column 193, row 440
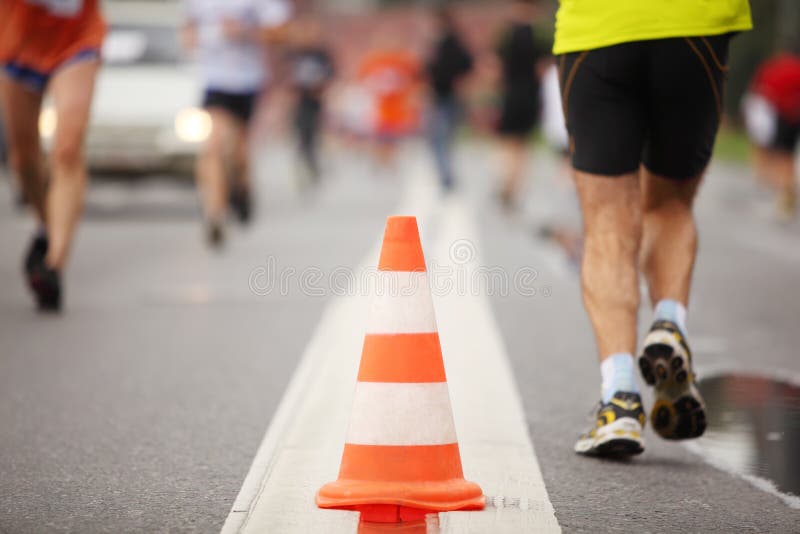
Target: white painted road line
column 496, row 451
column 303, row 445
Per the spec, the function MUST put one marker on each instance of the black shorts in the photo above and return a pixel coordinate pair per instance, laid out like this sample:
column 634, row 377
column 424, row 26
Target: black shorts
column 656, row 103
column 240, row 105
column 520, row 110
column 787, row 135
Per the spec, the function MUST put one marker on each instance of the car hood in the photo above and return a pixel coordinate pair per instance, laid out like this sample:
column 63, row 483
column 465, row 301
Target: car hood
column 144, row 95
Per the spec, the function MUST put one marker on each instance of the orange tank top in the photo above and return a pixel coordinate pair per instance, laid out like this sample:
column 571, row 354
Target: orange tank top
column 42, row 34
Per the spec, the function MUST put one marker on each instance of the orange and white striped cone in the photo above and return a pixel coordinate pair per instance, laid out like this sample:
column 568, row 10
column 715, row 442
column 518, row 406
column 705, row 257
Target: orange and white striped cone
column 401, row 458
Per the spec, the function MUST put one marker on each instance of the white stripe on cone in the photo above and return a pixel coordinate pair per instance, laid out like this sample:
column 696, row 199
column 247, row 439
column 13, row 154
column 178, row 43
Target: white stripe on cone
column 401, row 414
column 401, row 304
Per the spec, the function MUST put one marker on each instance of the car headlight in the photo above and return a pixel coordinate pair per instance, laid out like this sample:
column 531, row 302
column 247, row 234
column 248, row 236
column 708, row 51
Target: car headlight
column 47, row 122
column 192, row 125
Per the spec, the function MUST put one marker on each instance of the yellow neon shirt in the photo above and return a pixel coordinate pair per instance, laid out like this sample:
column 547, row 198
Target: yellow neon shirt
column 588, row 24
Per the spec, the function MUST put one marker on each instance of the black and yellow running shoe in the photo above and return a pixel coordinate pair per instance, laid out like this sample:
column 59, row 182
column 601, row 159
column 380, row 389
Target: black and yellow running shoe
column 666, row 363
column 617, row 430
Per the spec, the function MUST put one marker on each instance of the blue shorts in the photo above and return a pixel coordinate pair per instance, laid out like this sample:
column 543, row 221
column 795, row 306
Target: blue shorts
column 37, row 80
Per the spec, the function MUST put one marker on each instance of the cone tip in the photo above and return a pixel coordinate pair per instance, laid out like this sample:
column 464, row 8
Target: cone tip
column 401, row 228
column 402, row 250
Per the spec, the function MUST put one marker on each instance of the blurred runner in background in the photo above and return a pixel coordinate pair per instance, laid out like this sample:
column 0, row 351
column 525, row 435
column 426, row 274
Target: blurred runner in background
column 53, row 46
column 519, row 57
column 772, row 114
column 391, row 75
column 231, row 38
column 642, row 86
column 312, row 72
column 449, row 63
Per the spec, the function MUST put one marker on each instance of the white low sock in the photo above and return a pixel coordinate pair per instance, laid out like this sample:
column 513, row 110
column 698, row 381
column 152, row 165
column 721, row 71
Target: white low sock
column 618, row 375
column 672, row 310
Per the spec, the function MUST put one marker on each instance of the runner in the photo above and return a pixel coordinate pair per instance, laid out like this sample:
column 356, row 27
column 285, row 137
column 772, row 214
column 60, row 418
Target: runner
column 642, row 86
column 230, row 37
column 53, row 46
column 519, row 57
column 390, row 74
column 312, row 71
column 449, row 63
column 772, row 114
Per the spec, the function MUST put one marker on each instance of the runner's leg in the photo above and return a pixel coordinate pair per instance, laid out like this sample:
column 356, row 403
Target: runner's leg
column 241, row 156
column 612, row 230
column 72, row 88
column 514, row 154
column 787, row 184
column 669, row 236
column 213, row 165
column 21, row 108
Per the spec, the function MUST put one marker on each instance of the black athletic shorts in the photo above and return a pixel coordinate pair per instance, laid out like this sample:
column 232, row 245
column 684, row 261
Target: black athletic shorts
column 240, row 105
column 656, row 103
column 787, row 135
column 520, row 110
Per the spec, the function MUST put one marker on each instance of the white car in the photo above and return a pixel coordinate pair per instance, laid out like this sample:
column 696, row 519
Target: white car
column 145, row 115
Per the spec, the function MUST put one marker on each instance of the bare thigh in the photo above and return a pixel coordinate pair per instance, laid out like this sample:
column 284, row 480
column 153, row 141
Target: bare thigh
column 72, row 88
column 20, row 107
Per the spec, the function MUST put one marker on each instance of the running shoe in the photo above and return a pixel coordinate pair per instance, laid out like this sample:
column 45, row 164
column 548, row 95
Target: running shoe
column 787, row 206
column 666, row 363
column 215, row 234
column 34, row 259
column 616, row 429
column 46, row 285
column 242, row 204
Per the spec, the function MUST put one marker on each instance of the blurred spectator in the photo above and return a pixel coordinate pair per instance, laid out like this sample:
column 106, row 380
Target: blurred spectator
column 230, row 37
column 449, row 62
column 312, row 71
column 391, row 75
column 519, row 57
column 772, row 114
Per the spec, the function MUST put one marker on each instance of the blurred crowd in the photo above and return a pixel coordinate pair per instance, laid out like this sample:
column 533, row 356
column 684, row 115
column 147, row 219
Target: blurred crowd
column 372, row 79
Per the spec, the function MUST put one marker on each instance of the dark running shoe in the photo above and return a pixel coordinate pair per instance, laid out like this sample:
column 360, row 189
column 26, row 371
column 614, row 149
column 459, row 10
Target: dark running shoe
column 666, row 363
column 616, row 428
column 215, row 235
column 241, row 204
column 46, row 285
column 34, row 259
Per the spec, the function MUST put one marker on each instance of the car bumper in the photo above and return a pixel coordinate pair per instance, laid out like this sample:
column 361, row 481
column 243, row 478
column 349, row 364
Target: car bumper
column 138, row 149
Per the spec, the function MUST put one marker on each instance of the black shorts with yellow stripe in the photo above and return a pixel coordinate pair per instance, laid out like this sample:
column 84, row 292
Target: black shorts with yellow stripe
column 656, row 103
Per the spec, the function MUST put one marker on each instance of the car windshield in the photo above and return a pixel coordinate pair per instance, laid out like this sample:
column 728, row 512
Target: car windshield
column 142, row 45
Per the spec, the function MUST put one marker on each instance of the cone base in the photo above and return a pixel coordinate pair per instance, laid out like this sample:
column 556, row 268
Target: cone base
column 394, row 502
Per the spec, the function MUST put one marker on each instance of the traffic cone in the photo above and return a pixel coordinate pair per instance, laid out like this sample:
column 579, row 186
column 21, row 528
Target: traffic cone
column 401, row 457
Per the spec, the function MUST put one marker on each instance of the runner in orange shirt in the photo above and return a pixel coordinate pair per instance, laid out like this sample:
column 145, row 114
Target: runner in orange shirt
column 392, row 76
column 51, row 45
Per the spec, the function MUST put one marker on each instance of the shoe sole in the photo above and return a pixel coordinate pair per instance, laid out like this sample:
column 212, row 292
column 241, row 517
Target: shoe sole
column 623, row 437
column 679, row 411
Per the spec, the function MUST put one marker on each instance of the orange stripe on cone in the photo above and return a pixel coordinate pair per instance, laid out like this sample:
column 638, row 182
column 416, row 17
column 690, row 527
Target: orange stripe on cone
column 392, row 471
column 401, row 249
column 409, row 463
column 401, row 358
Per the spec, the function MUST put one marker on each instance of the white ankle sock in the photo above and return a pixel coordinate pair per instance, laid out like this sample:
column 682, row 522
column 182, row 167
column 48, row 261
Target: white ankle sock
column 618, row 375
column 672, row 310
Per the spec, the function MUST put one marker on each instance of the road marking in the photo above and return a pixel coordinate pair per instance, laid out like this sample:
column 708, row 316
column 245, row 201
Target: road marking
column 302, row 447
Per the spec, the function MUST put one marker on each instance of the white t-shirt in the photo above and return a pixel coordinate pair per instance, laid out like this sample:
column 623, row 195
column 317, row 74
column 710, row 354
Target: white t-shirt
column 233, row 66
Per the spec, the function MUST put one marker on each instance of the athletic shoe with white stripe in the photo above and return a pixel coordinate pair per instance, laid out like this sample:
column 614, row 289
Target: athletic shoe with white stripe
column 666, row 363
column 616, row 429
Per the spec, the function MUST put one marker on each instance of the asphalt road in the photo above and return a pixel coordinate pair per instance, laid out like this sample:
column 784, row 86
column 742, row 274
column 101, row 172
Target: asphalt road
column 141, row 408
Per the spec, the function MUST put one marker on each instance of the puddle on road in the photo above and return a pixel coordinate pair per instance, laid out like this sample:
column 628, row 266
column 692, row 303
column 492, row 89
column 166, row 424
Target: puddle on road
column 754, row 427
